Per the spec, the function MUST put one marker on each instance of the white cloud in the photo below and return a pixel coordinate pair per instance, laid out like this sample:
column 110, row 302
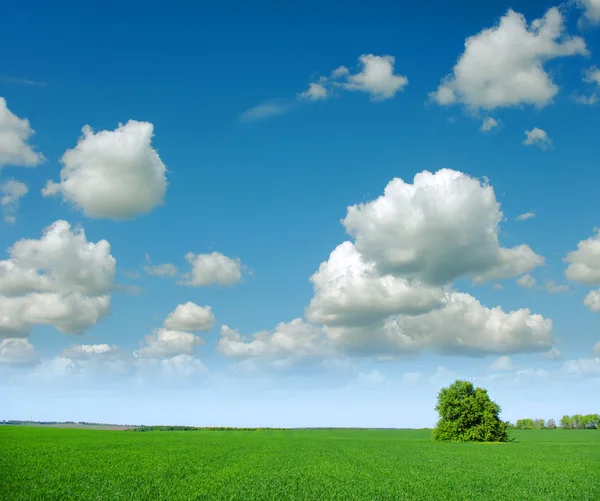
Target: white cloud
column 296, row 339
column 183, row 365
column 348, row 290
column 531, row 373
column 537, row 137
column 488, row 124
column 587, row 100
column 159, row 270
column 96, row 358
column 592, row 300
column 265, row 110
column 584, row 263
column 462, row 326
column 112, row 174
column 504, row 65
column 11, row 192
column 526, row 281
column 373, row 377
column 596, row 349
column 592, row 75
column 525, row 216
column 441, row 227
column 315, row 92
column 552, row 354
column 61, row 280
column 90, row 351
column 553, row 288
column 14, row 135
column 376, row 78
column 497, row 287
column 190, row 317
column 592, row 10
column 504, row 363
column 165, row 343
column 17, row 351
column 214, row 268
column 582, row 367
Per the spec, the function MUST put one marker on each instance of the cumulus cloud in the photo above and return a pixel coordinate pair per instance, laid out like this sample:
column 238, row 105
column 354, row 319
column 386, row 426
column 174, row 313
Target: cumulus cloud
column 591, row 76
column 112, row 174
column 582, row 367
column 504, row 363
column 165, row 343
column 159, row 270
column 190, row 317
column 596, row 349
column 504, row 65
column 591, row 10
column 526, row 281
column 348, row 290
column 584, row 263
column 488, row 124
column 292, row 340
column 182, row 365
column 213, row 268
column 377, row 77
column 537, row 137
column 60, row 280
column 441, row 227
column 462, row 326
column 11, row 192
column 592, row 300
column 525, row 216
column 15, row 133
column 17, row 351
column 315, row 92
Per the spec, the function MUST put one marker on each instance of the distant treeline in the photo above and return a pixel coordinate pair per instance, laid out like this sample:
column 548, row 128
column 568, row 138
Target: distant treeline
column 82, row 423
column 574, row 422
column 201, row 428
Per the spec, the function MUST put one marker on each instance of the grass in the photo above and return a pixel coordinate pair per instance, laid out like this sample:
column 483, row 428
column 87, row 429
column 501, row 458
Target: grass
column 52, row 464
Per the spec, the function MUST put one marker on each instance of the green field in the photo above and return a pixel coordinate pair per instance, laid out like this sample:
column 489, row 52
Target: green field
column 63, row 464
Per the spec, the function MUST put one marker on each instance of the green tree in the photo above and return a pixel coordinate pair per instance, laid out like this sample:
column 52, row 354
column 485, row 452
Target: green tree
column 467, row 414
column 525, row 424
column 551, row 425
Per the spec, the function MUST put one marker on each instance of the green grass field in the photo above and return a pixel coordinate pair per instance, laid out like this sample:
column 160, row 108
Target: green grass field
column 63, row 464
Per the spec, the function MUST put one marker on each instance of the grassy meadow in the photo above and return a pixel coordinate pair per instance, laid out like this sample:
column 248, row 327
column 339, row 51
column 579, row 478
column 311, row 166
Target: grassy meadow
column 65, row 464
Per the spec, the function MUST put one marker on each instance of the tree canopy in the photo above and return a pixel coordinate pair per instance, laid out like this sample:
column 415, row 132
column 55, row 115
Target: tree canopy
column 467, row 414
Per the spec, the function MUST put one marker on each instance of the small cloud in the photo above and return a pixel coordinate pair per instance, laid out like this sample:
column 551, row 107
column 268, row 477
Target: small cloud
column 488, row 124
column 503, row 364
column 497, row 287
column 591, row 76
column 373, row 377
column 159, row 270
column 552, row 354
column 537, row 137
column 525, row 216
column 315, row 92
column 23, row 81
column 596, row 349
column 132, row 275
column 11, row 192
column 590, row 100
column 553, row 288
column 266, row 110
column 526, row 281
column 592, row 300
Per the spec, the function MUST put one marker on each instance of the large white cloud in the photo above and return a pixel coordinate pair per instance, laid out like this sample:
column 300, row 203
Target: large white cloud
column 14, row 135
column 443, row 226
column 11, row 192
column 295, row 339
column 213, row 268
column 584, row 263
column 17, row 351
column 463, row 326
column 348, row 290
column 113, row 174
column 504, row 65
column 190, row 317
column 165, row 343
column 60, row 280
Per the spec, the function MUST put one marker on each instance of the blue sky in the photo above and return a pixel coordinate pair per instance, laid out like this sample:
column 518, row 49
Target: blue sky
column 225, row 152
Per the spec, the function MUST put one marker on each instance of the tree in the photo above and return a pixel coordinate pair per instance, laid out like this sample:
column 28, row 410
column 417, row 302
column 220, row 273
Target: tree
column 525, row 424
column 467, row 414
column 539, row 424
column 551, row 425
